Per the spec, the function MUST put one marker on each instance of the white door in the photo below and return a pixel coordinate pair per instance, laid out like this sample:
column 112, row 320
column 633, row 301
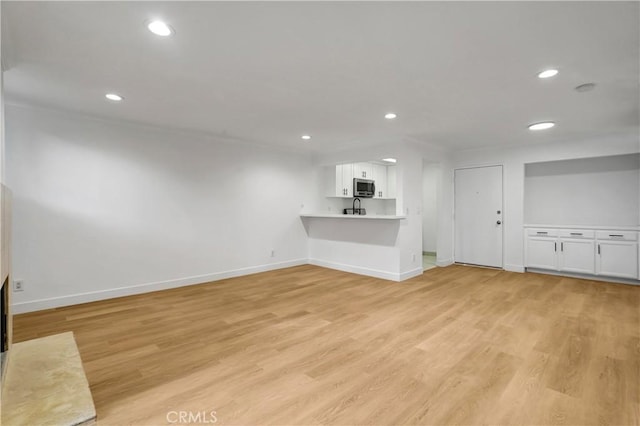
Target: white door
column 478, row 216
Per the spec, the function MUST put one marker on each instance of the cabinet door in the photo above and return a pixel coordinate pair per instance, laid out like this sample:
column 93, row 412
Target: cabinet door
column 347, row 179
column 577, row 256
column 344, row 180
column 363, row 170
column 617, row 259
column 340, row 189
column 542, row 253
column 379, row 175
column 391, row 182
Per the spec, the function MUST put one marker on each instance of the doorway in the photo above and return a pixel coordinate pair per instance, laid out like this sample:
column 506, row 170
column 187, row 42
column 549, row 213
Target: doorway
column 431, row 183
column 478, row 216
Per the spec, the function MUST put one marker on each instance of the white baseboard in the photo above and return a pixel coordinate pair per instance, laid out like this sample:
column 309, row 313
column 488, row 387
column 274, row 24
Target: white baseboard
column 376, row 273
column 412, row 273
column 514, row 268
column 74, row 299
column 589, row 277
column 445, row 262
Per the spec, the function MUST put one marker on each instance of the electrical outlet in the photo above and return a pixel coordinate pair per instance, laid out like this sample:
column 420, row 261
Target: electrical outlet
column 18, row 285
column 273, row 252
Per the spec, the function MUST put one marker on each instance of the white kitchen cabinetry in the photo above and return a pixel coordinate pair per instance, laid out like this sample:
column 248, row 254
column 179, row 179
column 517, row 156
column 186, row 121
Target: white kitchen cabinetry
column 340, row 179
column 590, row 251
column 617, row 254
column 379, row 175
column 363, row 170
column 344, row 181
column 542, row 252
column 576, row 256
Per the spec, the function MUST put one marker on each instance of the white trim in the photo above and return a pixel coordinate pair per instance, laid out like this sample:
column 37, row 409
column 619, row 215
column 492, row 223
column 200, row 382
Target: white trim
column 74, row 299
column 514, row 268
column 445, row 262
column 376, row 273
column 412, row 273
column 608, row 279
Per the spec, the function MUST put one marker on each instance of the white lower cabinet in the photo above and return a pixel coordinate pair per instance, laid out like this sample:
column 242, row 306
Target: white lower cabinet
column 542, row 253
column 577, row 256
column 593, row 252
column 617, row 259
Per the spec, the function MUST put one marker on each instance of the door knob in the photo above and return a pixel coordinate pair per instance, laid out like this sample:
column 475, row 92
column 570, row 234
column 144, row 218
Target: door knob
column 499, row 222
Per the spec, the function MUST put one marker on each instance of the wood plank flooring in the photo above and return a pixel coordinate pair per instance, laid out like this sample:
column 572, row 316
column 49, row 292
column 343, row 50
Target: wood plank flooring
column 308, row 345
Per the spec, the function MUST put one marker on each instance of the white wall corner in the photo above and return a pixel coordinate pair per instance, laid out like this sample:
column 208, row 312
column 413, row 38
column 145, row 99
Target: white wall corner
column 444, row 262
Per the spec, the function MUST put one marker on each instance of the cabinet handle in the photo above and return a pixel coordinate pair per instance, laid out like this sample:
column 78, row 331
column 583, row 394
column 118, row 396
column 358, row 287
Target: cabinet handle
column 576, row 233
column 616, row 235
column 598, row 248
column 541, row 233
column 555, row 246
column 561, row 246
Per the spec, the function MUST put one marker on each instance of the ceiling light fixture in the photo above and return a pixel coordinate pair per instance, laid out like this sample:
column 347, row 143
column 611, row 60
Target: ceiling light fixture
column 113, row 97
column 585, row 87
column 542, row 125
column 547, row 73
column 390, row 116
column 160, row 28
column 306, row 137
column 389, row 160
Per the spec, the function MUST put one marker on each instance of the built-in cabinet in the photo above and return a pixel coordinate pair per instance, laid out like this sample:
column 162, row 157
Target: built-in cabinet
column 611, row 253
column 384, row 177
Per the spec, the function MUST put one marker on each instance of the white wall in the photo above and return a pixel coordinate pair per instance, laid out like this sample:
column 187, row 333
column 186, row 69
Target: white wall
column 103, row 208
column 430, row 184
column 591, row 191
column 514, row 160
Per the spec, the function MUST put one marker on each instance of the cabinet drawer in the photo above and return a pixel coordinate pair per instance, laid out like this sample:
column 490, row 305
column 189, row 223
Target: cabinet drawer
column 577, row 233
column 540, row 232
column 617, row 235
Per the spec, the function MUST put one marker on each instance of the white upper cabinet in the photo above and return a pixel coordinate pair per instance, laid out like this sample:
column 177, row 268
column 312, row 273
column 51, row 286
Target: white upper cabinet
column 340, row 179
column 344, row 181
column 363, row 170
column 379, row 175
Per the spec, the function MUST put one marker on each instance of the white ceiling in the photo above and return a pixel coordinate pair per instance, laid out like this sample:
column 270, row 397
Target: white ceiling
column 458, row 74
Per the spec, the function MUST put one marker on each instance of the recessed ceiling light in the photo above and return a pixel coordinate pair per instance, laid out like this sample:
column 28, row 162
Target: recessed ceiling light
column 547, row 73
column 585, row 87
column 306, row 137
column 542, row 126
column 160, row 28
column 390, row 116
column 113, row 97
column 389, row 160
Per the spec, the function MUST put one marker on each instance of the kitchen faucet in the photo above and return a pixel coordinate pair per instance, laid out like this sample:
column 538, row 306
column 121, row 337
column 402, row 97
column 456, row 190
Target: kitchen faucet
column 354, row 205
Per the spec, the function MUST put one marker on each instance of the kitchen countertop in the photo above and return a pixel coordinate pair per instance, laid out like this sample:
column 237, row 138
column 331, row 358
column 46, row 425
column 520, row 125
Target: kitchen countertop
column 612, row 228
column 352, row 216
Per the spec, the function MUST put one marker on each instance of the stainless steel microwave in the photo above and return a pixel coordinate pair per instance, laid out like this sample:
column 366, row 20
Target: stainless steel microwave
column 364, row 188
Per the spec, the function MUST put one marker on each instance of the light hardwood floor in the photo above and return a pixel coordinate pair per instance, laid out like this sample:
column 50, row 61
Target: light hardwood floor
column 307, row 345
